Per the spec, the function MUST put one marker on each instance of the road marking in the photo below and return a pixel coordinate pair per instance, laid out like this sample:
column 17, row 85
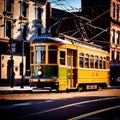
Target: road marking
column 23, row 104
column 65, row 106
column 49, row 100
column 94, row 112
column 15, row 105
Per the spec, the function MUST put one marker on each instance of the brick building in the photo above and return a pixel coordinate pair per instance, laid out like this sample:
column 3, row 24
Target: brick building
column 20, row 22
column 115, row 38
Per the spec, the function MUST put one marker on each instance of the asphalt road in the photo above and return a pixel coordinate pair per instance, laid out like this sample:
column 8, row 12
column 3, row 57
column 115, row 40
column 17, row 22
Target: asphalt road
column 95, row 105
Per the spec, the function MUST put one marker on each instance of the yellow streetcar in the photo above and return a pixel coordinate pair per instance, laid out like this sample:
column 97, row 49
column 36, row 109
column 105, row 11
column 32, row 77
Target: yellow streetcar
column 64, row 63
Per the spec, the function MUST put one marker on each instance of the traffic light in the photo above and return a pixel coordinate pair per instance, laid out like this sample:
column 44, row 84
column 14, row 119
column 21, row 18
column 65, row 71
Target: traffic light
column 40, row 71
column 8, row 47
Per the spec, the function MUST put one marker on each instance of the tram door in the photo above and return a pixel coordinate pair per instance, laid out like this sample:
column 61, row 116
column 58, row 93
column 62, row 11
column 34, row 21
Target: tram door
column 71, row 68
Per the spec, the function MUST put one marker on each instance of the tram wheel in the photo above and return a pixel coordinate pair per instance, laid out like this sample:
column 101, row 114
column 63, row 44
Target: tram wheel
column 50, row 90
column 100, row 88
column 80, row 88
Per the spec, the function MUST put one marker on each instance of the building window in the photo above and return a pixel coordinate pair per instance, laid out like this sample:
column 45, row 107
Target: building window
column 24, row 32
column 112, row 56
column 118, row 38
column 8, row 29
column 24, row 9
column 113, row 36
column 118, row 57
column 117, row 12
column 39, row 12
column 39, row 31
column 9, row 5
column 113, row 10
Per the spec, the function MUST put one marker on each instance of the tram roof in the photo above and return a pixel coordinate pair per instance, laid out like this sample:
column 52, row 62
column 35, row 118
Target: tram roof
column 48, row 39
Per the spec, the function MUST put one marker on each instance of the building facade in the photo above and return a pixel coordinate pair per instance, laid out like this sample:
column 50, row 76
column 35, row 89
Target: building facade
column 115, row 38
column 20, row 22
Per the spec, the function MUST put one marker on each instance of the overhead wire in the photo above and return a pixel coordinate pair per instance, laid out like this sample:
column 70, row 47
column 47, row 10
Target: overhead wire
column 77, row 29
column 81, row 17
column 69, row 31
column 99, row 33
column 83, row 34
column 100, row 15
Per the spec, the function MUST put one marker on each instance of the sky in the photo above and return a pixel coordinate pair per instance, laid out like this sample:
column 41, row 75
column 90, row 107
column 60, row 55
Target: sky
column 67, row 5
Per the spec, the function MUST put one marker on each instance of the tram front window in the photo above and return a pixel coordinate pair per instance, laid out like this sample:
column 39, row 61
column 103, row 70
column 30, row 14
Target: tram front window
column 62, row 57
column 52, row 54
column 40, row 54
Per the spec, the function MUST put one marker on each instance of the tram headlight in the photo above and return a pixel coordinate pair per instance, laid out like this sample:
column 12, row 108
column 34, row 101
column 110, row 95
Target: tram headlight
column 40, row 71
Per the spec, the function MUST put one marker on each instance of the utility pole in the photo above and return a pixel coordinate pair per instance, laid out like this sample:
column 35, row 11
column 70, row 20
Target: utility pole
column 22, row 63
column 81, row 29
column 11, row 64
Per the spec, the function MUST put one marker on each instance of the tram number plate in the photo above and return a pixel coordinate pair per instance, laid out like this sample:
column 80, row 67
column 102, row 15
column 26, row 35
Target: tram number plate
column 88, row 87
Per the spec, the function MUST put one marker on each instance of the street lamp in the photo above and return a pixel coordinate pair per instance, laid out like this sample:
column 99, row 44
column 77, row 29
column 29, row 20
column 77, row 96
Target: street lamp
column 39, row 75
column 11, row 63
column 22, row 63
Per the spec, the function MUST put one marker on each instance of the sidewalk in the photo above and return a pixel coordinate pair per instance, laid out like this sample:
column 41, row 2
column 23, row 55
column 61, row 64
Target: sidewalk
column 28, row 89
column 15, row 89
column 25, row 89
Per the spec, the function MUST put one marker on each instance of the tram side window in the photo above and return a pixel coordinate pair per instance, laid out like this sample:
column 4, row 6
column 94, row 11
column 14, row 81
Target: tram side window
column 104, row 63
column 87, row 61
column 107, row 62
column 31, row 55
column 52, row 54
column 91, row 61
column 40, row 54
column 62, row 57
column 81, row 60
column 100, row 63
column 96, row 61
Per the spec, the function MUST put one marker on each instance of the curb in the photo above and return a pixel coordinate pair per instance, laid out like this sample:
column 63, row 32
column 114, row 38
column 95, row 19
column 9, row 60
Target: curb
column 28, row 89
column 25, row 89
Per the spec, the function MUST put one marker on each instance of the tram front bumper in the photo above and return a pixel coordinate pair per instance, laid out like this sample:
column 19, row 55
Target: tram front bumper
column 44, row 83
